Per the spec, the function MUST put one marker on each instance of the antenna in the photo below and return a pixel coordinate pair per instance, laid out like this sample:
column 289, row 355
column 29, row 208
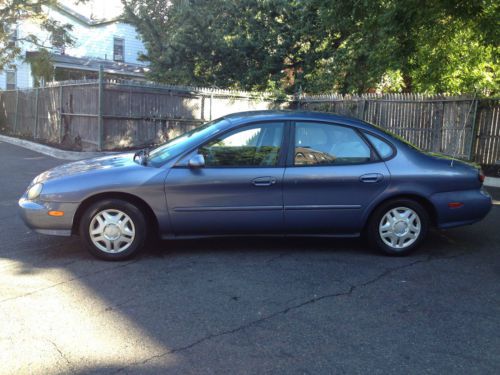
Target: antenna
column 454, row 155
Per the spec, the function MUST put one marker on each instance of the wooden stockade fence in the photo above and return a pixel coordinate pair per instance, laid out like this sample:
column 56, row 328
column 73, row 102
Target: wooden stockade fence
column 116, row 114
column 465, row 126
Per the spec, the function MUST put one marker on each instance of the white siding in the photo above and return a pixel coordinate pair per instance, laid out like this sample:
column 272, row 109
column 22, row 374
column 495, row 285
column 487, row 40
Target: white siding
column 23, row 76
column 97, row 41
column 90, row 41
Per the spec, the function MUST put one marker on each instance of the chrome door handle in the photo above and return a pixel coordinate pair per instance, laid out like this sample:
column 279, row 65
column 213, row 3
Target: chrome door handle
column 371, row 177
column 264, row 181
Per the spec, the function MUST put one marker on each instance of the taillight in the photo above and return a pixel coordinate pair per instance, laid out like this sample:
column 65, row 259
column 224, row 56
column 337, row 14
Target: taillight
column 481, row 176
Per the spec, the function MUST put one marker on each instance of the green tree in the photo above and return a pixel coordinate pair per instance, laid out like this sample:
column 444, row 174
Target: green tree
column 433, row 45
column 14, row 11
column 322, row 45
column 244, row 44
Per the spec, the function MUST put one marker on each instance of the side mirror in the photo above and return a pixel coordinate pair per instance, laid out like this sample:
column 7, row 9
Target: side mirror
column 197, row 161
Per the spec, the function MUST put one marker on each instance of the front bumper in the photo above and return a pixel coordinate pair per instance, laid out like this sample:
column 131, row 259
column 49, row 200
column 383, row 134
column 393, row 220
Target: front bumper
column 476, row 205
column 36, row 216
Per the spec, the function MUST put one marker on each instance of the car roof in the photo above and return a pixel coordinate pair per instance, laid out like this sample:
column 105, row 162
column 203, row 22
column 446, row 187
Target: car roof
column 268, row 115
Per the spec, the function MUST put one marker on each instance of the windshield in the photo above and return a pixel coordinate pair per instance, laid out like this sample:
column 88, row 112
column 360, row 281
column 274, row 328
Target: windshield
column 178, row 145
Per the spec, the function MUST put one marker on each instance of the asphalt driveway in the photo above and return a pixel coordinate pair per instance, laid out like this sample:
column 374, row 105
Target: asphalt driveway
column 244, row 306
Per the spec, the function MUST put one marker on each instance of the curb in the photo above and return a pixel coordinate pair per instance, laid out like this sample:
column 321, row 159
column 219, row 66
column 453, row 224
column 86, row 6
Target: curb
column 51, row 151
column 492, row 182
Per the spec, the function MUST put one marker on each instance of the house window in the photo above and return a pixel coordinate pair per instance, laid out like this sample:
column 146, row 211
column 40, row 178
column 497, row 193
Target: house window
column 12, row 31
column 118, row 49
column 11, row 79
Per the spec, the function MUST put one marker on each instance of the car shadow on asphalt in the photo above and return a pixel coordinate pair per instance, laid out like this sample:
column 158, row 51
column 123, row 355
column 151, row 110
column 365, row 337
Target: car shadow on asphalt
column 60, row 252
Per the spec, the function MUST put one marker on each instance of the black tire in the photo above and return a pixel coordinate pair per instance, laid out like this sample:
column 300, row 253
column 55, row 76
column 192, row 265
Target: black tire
column 375, row 238
column 136, row 217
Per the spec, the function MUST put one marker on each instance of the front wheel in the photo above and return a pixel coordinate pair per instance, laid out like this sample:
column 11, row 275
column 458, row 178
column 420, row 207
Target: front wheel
column 113, row 229
column 398, row 227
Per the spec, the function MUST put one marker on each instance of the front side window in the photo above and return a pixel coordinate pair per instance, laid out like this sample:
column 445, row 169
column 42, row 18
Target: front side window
column 327, row 144
column 118, row 49
column 251, row 146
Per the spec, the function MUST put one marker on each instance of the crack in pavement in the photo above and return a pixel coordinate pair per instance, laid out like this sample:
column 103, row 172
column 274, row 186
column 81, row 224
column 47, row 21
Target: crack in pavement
column 478, row 360
column 315, row 299
column 36, row 250
column 279, row 256
column 84, row 276
column 61, row 354
column 172, row 268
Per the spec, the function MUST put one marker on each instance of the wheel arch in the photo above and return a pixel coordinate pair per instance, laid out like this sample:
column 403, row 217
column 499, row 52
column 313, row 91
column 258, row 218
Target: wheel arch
column 150, row 217
column 423, row 201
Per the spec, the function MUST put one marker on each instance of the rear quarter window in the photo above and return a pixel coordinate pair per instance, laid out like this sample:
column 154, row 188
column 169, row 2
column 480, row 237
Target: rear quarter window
column 383, row 148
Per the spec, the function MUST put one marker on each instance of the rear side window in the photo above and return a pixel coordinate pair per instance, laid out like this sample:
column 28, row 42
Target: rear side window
column 383, row 148
column 328, row 144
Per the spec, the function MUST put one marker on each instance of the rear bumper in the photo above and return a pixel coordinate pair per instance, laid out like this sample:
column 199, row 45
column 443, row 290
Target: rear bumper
column 36, row 216
column 476, row 205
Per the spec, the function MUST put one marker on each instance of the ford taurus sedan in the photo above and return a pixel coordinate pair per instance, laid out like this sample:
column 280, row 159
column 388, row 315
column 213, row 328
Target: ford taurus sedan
column 259, row 173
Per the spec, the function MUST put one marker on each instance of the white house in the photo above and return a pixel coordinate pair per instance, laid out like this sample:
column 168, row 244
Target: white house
column 101, row 38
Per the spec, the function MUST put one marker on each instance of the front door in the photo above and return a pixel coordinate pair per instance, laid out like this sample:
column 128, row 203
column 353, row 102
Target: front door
column 238, row 191
column 332, row 176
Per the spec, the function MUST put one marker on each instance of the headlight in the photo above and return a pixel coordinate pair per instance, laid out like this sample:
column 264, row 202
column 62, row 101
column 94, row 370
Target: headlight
column 35, row 191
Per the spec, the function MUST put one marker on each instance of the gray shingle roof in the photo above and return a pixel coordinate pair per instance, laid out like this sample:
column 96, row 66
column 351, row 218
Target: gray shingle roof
column 92, row 64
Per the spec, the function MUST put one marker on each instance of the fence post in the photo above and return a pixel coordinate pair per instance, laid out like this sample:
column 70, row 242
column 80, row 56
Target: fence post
column 61, row 129
column 100, row 129
column 211, row 100
column 16, row 113
column 439, row 137
column 35, row 133
column 202, row 107
column 299, row 98
column 474, row 136
column 363, row 110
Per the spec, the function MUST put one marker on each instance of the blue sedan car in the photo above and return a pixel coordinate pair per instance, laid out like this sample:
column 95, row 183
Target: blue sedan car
column 259, row 173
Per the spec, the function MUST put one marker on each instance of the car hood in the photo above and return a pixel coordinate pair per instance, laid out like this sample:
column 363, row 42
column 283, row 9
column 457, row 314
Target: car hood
column 89, row 165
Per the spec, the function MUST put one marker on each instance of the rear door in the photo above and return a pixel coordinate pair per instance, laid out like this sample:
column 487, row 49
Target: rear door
column 332, row 175
column 238, row 191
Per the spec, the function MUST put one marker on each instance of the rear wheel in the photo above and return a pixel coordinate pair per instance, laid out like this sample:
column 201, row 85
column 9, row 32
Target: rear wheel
column 113, row 229
column 398, row 227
